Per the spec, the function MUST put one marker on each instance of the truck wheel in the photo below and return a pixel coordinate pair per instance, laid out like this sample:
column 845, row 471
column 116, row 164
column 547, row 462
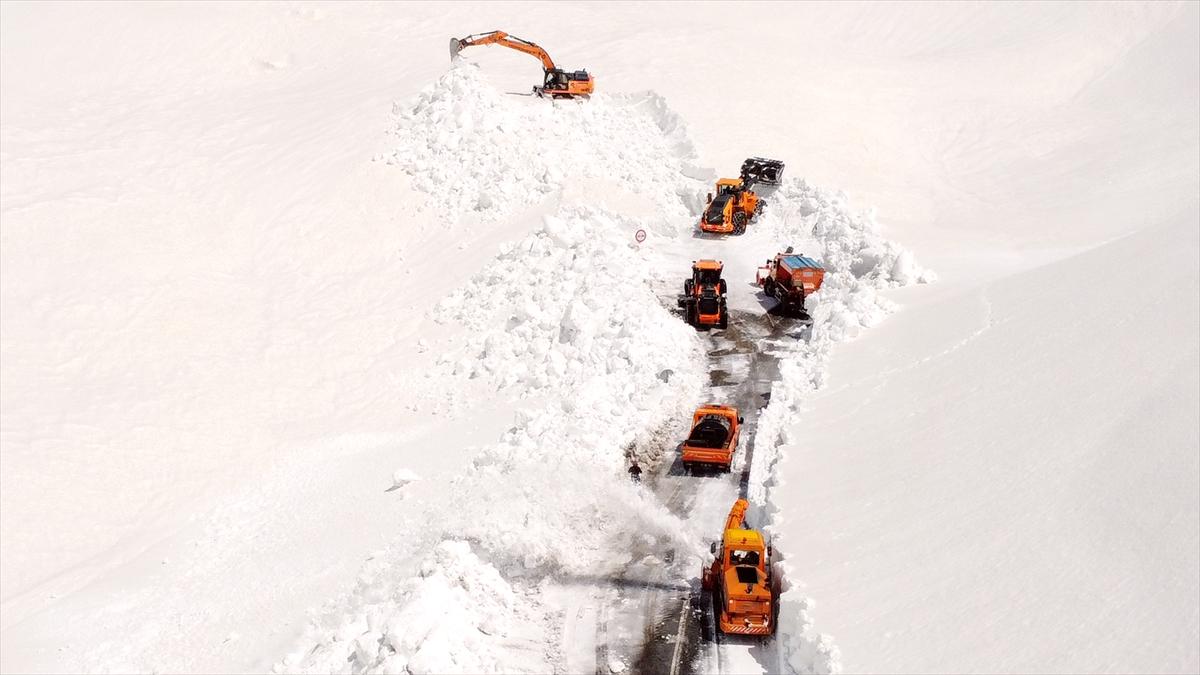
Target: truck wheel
column 739, row 222
column 691, row 313
column 769, row 287
column 724, row 322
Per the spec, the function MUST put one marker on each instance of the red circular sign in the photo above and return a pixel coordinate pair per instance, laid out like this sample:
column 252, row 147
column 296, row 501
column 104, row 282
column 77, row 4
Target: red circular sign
column 640, row 235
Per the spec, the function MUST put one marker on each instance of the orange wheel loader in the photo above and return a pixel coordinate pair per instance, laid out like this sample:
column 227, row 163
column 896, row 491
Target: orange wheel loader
column 734, row 205
column 703, row 298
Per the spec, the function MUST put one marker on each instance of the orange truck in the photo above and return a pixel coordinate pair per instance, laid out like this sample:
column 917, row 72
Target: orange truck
column 790, row 278
column 713, row 439
column 703, row 298
column 745, row 592
column 732, row 207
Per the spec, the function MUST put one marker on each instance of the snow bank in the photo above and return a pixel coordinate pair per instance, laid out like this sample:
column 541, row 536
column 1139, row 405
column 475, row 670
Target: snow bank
column 859, row 262
column 482, row 153
column 566, row 319
column 447, row 619
column 569, row 314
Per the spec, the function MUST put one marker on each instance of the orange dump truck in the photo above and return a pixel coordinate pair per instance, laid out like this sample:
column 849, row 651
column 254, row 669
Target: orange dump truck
column 745, row 593
column 713, row 439
column 790, row 278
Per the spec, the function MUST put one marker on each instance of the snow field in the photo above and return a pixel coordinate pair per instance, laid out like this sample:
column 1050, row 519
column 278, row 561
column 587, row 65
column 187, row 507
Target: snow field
column 211, row 299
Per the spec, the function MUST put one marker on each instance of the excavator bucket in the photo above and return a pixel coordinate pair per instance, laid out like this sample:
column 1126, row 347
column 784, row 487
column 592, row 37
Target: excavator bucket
column 455, row 47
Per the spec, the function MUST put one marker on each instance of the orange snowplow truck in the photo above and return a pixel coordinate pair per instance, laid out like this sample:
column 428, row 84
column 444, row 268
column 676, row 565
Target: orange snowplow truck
column 732, row 207
column 745, row 592
column 558, row 83
column 703, row 298
column 714, row 437
column 790, row 278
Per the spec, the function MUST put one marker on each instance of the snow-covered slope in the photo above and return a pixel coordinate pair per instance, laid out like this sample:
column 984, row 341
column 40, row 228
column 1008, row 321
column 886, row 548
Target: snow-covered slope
column 1006, row 478
column 1015, row 489
column 238, row 299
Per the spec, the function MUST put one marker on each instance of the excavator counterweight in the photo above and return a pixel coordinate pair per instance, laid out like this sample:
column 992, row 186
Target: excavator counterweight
column 558, row 83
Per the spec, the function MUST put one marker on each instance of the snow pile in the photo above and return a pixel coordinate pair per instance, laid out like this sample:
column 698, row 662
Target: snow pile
column 479, row 152
column 445, row 620
column 858, row 259
column 569, row 313
column 805, row 651
column 566, row 317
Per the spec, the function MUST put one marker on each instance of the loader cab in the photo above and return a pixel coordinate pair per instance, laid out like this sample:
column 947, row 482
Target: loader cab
column 730, row 186
column 708, row 277
column 744, row 549
column 715, row 215
column 739, row 557
column 707, row 273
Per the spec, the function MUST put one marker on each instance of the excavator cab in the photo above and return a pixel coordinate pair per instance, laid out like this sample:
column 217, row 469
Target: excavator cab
column 561, row 83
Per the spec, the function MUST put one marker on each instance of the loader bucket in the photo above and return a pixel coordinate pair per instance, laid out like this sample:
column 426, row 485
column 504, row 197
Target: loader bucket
column 455, row 47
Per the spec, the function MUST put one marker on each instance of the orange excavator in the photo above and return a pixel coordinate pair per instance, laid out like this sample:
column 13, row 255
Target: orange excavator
column 558, row 83
column 745, row 589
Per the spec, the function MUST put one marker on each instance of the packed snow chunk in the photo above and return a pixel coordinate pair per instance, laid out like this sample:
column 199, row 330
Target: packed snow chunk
column 449, row 619
column 477, row 151
column 402, row 477
column 803, row 650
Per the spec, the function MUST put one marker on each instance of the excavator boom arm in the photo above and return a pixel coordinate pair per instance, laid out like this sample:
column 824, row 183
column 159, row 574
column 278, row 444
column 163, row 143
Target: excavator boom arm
column 499, row 37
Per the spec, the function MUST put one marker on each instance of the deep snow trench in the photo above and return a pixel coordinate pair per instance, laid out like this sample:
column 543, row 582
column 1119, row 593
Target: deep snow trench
column 574, row 322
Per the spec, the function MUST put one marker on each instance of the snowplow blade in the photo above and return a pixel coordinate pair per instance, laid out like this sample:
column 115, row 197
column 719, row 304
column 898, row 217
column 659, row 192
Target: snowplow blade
column 762, row 170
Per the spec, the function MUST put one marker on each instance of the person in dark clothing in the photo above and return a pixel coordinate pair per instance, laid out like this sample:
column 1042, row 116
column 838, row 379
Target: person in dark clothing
column 635, row 472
